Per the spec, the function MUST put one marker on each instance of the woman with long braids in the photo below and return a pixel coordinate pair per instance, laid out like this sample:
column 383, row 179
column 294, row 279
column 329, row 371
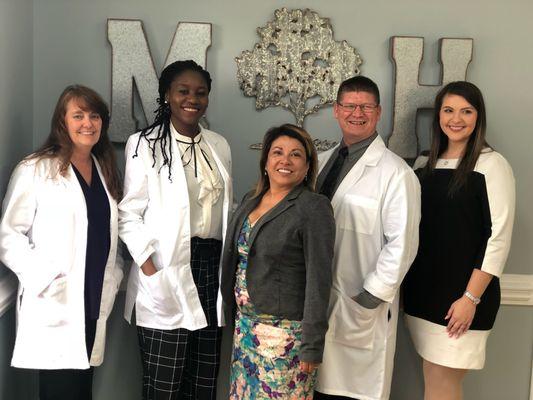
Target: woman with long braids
column 173, row 216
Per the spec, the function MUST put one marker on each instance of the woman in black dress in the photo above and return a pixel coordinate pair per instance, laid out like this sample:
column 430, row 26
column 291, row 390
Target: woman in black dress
column 452, row 291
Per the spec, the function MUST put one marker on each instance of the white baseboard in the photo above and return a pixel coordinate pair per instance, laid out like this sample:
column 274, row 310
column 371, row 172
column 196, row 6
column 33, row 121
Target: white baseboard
column 8, row 290
column 517, row 289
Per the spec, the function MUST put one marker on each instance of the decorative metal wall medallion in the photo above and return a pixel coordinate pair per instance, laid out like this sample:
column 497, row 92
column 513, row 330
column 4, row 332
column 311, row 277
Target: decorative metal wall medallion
column 297, row 64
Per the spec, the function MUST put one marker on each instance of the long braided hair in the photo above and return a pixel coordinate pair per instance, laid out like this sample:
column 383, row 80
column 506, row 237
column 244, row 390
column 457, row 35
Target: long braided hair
column 161, row 123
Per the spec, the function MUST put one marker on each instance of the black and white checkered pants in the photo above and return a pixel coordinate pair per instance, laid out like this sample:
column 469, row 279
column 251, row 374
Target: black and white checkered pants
column 181, row 364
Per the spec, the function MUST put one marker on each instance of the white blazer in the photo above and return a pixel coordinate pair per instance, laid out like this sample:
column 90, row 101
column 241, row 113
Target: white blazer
column 43, row 235
column 377, row 212
column 155, row 221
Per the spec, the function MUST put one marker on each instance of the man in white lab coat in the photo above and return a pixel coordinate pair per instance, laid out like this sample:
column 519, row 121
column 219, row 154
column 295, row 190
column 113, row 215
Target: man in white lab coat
column 376, row 199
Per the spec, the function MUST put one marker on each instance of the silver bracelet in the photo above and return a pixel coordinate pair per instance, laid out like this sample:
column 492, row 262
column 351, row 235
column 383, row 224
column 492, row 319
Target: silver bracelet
column 474, row 299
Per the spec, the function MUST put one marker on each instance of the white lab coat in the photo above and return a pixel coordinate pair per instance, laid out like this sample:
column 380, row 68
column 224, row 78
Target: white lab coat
column 43, row 235
column 155, row 221
column 377, row 212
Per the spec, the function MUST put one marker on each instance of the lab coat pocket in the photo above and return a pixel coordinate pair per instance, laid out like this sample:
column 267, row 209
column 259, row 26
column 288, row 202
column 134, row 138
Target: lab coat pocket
column 156, row 293
column 56, row 290
column 353, row 325
column 49, row 308
column 358, row 213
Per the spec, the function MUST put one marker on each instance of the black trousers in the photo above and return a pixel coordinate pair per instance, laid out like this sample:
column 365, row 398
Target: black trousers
column 68, row 384
column 182, row 364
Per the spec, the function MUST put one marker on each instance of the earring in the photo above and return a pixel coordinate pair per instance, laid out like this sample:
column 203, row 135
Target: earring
column 266, row 172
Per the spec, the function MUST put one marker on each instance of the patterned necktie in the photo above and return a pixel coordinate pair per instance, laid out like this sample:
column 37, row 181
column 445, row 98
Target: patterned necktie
column 333, row 174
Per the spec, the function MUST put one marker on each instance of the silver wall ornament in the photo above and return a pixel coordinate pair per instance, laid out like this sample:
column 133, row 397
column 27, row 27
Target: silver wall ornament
column 297, row 64
column 133, row 67
column 410, row 95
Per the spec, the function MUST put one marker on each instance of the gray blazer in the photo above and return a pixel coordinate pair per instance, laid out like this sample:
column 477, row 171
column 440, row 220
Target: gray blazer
column 289, row 263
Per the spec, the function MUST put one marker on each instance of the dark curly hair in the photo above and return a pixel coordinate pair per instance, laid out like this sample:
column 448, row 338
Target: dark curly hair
column 162, row 115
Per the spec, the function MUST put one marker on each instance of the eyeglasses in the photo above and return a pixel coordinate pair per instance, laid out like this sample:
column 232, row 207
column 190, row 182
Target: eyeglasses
column 366, row 108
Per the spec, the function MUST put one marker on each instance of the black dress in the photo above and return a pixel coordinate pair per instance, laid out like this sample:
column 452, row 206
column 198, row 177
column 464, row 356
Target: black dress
column 471, row 229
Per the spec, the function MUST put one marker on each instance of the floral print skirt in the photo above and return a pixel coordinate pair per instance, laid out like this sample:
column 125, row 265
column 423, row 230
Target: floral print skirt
column 265, row 362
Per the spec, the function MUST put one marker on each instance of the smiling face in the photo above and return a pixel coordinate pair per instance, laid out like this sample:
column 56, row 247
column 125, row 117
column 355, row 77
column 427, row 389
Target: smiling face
column 457, row 119
column 83, row 125
column 356, row 125
column 188, row 98
column 286, row 165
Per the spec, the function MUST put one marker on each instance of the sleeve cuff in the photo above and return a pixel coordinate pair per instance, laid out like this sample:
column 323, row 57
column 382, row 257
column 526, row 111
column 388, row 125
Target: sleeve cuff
column 493, row 270
column 378, row 289
column 142, row 257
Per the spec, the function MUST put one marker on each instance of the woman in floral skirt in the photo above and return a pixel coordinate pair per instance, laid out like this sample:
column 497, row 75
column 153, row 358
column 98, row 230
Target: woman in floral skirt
column 276, row 274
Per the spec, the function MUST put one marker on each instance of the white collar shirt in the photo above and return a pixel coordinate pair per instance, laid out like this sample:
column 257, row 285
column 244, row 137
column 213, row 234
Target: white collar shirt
column 204, row 184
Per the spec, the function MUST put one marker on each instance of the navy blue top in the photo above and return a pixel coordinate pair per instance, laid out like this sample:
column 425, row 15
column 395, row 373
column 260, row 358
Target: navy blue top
column 98, row 240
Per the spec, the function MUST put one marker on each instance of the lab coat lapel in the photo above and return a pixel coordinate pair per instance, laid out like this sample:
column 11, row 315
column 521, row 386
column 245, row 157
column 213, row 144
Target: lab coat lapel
column 104, row 183
column 177, row 181
column 324, row 157
column 112, row 206
column 73, row 188
column 175, row 205
column 369, row 159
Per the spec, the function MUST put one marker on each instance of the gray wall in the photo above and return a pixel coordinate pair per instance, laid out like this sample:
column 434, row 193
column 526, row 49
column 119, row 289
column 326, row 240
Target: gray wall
column 507, row 369
column 16, row 79
column 70, row 45
column 16, row 124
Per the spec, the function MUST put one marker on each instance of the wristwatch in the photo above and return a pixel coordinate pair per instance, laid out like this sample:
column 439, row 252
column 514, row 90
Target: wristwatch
column 474, row 299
